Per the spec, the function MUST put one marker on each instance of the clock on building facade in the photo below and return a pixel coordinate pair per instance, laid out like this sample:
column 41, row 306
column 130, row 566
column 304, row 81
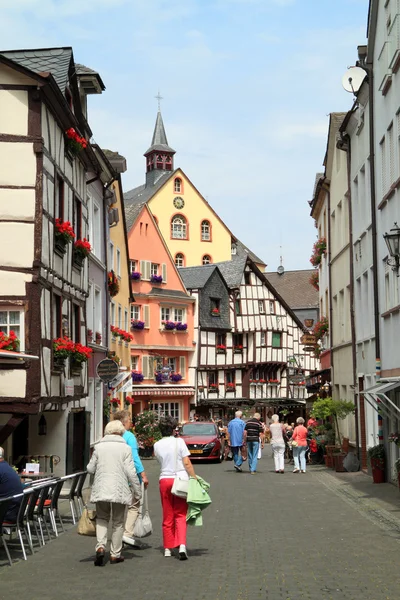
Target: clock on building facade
column 179, row 202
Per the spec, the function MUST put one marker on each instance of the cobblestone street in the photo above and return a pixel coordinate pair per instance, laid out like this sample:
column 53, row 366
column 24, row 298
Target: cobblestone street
column 313, row 536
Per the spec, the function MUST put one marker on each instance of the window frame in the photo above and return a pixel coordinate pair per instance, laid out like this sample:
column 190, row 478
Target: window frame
column 184, row 225
column 180, row 190
column 8, row 308
column 154, row 269
column 165, row 309
column 180, row 254
column 59, row 198
column 261, row 307
column 118, row 261
column 212, row 377
column 272, row 308
column 280, row 339
column 134, row 362
column 76, row 322
column 202, row 231
column 230, row 376
column 135, row 308
column 77, row 218
column 206, row 259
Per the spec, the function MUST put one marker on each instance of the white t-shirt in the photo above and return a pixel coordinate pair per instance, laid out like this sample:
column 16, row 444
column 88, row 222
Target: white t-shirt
column 169, row 452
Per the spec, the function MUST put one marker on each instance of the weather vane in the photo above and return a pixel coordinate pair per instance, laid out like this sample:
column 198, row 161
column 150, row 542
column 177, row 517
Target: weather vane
column 159, row 98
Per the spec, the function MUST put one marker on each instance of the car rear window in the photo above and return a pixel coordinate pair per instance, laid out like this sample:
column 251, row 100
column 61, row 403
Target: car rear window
column 205, row 429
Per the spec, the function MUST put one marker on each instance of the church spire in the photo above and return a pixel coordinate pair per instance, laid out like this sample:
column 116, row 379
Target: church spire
column 159, row 157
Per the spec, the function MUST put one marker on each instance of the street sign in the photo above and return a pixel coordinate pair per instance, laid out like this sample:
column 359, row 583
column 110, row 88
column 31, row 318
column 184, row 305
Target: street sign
column 308, row 339
column 107, row 370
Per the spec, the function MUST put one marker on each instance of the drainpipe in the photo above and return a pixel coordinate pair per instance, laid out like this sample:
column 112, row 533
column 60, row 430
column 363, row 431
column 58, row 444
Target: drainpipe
column 328, row 194
column 345, row 144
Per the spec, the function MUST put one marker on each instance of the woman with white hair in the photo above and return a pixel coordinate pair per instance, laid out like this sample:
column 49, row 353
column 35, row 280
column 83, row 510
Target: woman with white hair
column 300, row 446
column 113, row 469
column 276, row 430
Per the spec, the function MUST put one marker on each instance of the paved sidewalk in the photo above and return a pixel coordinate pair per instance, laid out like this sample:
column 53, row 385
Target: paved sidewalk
column 271, row 537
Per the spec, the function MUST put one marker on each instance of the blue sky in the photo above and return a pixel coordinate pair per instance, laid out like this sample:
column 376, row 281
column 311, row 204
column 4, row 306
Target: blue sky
column 247, row 84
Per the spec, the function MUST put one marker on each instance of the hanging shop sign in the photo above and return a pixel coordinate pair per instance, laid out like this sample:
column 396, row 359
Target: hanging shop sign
column 308, row 339
column 107, row 370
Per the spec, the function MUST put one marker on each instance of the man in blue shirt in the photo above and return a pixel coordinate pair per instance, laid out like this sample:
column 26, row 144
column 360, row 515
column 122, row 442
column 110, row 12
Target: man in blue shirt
column 10, row 485
column 235, row 430
column 133, row 510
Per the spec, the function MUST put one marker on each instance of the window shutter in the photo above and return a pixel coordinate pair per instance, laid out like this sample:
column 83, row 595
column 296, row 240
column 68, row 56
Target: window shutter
column 182, row 366
column 143, row 268
column 164, row 272
column 147, row 268
column 151, row 367
column 145, row 366
column 146, row 316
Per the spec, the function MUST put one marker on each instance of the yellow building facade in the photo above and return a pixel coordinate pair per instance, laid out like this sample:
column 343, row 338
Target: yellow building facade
column 192, row 230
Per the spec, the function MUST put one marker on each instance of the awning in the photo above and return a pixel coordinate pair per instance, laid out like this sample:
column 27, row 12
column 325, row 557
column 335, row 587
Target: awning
column 376, row 395
column 162, row 390
column 11, row 354
column 127, row 387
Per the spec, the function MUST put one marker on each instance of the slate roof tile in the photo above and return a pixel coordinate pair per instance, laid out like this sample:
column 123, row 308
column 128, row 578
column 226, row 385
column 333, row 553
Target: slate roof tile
column 50, row 60
column 295, row 288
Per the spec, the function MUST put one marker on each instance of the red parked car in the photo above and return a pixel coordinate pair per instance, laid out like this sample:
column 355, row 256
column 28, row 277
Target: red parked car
column 203, row 441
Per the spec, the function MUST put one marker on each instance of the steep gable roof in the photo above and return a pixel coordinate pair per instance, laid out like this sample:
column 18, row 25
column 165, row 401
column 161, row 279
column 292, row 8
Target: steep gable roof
column 143, row 193
column 159, row 140
column 56, row 61
column 196, row 277
column 295, row 288
column 232, row 270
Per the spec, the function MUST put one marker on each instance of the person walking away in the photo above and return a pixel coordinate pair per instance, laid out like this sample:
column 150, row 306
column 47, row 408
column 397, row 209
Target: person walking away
column 236, row 435
column 10, row 485
column 253, row 432
column 113, row 469
column 173, row 456
column 276, row 430
column 299, row 450
column 133, row 510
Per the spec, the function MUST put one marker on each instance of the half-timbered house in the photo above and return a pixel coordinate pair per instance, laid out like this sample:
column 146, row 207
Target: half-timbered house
column 44, row 157
column 248, row 350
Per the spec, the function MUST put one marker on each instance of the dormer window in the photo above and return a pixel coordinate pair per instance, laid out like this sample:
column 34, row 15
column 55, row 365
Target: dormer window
column 233, row 249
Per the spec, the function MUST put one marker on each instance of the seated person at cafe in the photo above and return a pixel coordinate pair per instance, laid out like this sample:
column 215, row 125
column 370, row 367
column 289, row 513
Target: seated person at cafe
column 10, row 485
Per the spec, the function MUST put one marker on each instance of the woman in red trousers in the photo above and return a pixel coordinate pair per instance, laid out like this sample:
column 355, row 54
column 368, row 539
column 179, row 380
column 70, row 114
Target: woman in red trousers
column 173, row 456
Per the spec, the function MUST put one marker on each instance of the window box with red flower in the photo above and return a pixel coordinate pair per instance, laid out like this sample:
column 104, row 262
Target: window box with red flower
column 215, row 312
column 113, row 284
column 82, row 249
column 273, row 381
column 79, row 355
column 213, row 387
column 238, row 349
column 230, row 387
column 319, row 250
column 63, row 235
column 62, row 349
column 74, row 143
column 9, row 342
column 221, row 349
column 262, row 381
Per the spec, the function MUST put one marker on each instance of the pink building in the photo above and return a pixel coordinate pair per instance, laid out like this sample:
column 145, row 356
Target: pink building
column 162, row 322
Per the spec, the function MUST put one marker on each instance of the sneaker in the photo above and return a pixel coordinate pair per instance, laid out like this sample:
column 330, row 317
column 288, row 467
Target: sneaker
column 238, row 469
column 182, row 552
column 128, row 540
column 167, row 552
column 252, row 472
column 295, row 470
column 302, row 471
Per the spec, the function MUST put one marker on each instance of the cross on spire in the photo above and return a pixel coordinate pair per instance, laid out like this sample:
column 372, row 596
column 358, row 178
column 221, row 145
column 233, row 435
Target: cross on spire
column 159, row 98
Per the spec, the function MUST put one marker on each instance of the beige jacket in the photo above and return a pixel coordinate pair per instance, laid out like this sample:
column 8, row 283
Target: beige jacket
column 113, row 470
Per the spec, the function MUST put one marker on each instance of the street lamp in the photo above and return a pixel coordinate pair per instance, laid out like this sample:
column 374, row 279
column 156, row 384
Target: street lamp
column 392, row 240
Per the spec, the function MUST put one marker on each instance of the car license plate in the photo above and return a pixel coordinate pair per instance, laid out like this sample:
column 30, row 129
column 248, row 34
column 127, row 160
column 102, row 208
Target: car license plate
column 196, row 452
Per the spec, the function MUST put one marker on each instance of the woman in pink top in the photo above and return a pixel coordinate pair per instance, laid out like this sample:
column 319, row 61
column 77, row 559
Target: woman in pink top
column 299, row 451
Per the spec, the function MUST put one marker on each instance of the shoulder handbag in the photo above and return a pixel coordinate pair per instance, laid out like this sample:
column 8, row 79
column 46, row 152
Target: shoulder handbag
column 143, row 526
column 294, row 443
column 181, row 486
column 87, row 522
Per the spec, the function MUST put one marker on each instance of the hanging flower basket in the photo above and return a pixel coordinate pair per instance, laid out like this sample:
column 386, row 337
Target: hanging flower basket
column 321, row 328
column 74, row 143
column 129, row 401
column 156, row 279
column 319, row 250
column 314, row 280
column 113, row 284
column 136, row 276
column 394, row 438
column 82, row 249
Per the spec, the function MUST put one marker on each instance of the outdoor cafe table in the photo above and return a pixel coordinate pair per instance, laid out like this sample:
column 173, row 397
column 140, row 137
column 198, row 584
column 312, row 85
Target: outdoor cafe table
column 25, row 475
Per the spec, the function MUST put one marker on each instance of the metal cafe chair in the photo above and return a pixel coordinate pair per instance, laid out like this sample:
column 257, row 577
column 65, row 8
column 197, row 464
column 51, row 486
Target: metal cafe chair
column 4, row 504
column 44, row 502
column 52, row 507
column 70, row 494
column 78, row 492
column 30, row 515
column 20, row 525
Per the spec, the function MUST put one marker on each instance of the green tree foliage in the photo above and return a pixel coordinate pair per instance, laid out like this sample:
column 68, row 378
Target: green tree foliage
column 337, row 409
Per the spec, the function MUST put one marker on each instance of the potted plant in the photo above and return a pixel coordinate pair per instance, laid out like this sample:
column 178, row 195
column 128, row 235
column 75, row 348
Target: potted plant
column 79, row 355
column 63, row 235
column 129, row 401
column 324, row 408
column 74, row 142
column 113, row 284
column 159, row 377
column 98, row 338
column 176, row 377
column 90, row 335
column 147, row 432
column 230, row 387
column 138, row 325
column 135, row 276
column 9, row 342
column 377, row 460
column 221, row 349
column 338, row 457
column 238, row 349
column 321, row 328
column 215, row 312
column 62, row 349
column 181, row 326
column 156, row 279
column 82, row 249
column 213, row 387
column 169, row 325
column 137, row 377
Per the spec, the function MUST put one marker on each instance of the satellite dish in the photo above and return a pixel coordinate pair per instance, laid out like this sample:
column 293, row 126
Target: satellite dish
column 280, row 270
column 353, row 78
